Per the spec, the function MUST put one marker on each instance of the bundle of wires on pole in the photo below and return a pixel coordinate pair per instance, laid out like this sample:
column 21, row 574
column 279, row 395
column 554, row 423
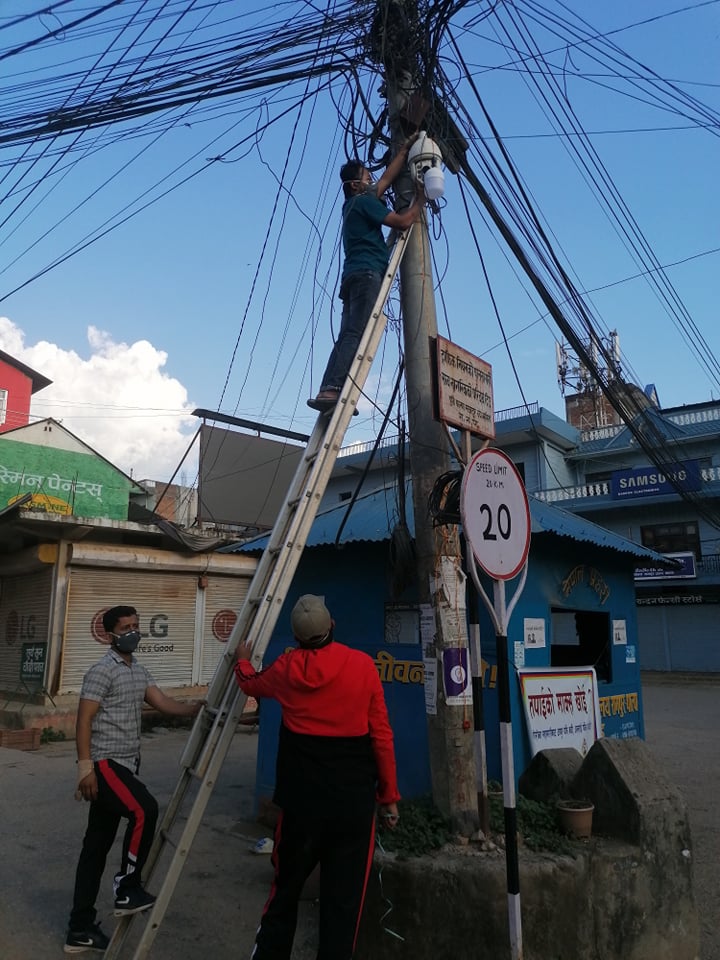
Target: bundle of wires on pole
column 444, row 499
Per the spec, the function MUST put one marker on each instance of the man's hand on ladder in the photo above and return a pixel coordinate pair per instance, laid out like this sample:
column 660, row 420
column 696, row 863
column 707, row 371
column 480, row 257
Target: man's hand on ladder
column 244, row 650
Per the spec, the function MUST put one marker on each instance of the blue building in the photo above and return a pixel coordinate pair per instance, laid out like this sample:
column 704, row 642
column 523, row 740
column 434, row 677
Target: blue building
column 602, row 474
column 579, row 589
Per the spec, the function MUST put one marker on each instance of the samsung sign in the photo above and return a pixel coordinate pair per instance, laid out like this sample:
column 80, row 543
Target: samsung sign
column 649, row 481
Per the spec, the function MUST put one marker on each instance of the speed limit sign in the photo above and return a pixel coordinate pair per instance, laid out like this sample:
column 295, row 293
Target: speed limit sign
column 495, row 514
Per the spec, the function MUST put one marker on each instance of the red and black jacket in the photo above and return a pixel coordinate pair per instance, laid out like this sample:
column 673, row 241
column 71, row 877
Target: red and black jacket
column 336, row 745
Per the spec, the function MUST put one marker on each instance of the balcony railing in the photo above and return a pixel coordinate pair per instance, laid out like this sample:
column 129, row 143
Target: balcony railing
column 682, row 418
column 695, row 416
column 601, row 433
column 509, row 413
column 366, row 446
column 709, row 564
column 579, row 492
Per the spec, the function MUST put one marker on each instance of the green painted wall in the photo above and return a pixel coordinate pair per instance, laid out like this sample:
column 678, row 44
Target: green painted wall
column 61, row 481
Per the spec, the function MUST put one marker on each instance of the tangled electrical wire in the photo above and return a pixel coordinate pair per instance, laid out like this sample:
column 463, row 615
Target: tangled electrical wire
column 444, row 499
column 127, row 69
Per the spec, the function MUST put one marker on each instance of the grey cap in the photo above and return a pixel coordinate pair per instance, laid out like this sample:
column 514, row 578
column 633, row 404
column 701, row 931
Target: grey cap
column 310, row 620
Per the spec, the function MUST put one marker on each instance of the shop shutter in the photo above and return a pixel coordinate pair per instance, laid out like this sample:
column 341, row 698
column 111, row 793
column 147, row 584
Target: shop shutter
column 693, row 635
column 223, row 598
column 652, row 638
column 24, row 618
column 166, row 606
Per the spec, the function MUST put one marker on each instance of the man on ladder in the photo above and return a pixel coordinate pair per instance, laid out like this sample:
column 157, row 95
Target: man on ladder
column 366, row 261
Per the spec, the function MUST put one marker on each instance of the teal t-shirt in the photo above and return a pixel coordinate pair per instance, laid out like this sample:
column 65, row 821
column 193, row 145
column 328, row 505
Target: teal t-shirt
column 363, row 240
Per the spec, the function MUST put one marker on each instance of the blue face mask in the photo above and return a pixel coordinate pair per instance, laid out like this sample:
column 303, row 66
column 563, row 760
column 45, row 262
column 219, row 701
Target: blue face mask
column 127, row 642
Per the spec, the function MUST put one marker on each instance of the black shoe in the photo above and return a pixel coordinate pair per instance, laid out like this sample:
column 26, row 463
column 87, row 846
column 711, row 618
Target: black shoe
column 78, row 941
column 132, row 900
column 324, row 406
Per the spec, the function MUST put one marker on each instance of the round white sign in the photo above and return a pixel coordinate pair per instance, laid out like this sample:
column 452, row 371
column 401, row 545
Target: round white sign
column 495, row 514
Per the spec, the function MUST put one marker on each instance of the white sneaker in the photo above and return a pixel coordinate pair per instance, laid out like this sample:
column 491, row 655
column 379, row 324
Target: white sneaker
column 263, row 845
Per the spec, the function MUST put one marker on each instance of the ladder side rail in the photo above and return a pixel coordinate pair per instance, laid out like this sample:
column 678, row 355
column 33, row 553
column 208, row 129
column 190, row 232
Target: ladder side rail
column 281, row 556
column 258, row 617
column 277, row 540
column 122, row 928
column 268, row 608
column 325, row 437
column 188, row 835
column 247, row 614
column 297, row 486
column 300, row 522
column 261, row 628
column 181, row 848
column 286, row 534
column 258, row 585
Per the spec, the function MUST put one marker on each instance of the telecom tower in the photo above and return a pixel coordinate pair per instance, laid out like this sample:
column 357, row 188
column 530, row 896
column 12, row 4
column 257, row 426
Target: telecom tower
column 586, row 406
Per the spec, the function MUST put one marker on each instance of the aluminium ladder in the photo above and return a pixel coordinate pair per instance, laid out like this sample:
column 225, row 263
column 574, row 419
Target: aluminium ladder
column 215, row 725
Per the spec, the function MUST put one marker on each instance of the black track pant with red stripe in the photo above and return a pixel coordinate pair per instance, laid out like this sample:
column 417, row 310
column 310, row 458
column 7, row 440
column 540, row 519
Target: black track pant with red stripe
column 120, row 796
column 344, row 850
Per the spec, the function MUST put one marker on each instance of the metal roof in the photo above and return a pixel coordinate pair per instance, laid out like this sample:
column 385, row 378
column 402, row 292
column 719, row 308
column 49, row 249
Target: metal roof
column 373, row 516
column 547, row 518
column 678, row 428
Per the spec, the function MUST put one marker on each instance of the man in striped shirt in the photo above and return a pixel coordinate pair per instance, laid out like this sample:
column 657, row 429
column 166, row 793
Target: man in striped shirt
column 108, row 748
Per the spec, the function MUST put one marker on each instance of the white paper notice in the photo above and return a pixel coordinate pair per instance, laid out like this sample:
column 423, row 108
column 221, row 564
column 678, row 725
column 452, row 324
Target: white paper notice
column 427, row 626
column 430, row 664
column 534, row 632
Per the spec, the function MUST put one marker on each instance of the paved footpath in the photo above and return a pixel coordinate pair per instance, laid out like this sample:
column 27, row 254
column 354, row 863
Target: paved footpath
column 222, row 889
column 682, row 720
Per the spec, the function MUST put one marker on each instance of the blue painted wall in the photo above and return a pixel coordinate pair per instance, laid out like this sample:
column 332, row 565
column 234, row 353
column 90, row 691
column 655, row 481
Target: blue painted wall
column 354, row 581
column 552, row 559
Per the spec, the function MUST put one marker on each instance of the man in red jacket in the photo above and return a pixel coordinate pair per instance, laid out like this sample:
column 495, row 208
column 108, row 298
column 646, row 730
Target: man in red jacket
column 335, row 761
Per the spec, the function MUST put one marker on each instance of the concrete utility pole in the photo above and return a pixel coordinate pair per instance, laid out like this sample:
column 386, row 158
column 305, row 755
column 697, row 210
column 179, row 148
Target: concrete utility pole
column 439, row 562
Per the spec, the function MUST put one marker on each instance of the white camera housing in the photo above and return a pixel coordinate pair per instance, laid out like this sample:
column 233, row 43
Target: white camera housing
column 425, row 162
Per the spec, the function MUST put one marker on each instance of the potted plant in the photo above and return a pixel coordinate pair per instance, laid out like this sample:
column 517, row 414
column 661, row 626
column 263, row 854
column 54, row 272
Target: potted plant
column 576, row 817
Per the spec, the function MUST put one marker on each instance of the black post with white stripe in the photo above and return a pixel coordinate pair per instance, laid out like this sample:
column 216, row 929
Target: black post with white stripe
column 512, row 867
column 478, row 705
column 496, row 522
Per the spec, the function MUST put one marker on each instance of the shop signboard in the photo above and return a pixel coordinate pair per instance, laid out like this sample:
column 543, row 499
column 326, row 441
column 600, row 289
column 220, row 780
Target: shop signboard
column 685, row 570
column 63, row 482
column 653, row 482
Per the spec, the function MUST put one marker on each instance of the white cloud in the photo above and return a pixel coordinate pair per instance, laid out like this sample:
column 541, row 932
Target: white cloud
column 118, row 400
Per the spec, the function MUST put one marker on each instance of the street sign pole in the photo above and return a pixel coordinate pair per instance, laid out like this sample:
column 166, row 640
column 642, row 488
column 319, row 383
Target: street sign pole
column 496, row 521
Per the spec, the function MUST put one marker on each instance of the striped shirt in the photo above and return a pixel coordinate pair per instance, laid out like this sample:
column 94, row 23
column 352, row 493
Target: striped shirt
column 119, row 688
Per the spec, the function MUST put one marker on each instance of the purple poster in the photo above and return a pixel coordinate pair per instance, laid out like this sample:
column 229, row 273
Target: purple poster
column 456, row 677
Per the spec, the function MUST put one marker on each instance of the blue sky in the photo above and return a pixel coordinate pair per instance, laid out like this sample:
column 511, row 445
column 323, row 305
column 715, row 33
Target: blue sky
column 168, row 296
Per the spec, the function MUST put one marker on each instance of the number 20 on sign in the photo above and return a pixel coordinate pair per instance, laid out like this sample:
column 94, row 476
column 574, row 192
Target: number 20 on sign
column 495, row 514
